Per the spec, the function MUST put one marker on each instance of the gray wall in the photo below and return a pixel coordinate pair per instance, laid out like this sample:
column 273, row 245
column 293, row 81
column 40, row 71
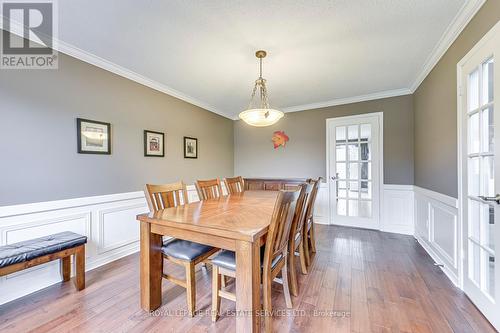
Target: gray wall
column 38, row 147
column 435, row 109
column 38, row 132
column 305, row 153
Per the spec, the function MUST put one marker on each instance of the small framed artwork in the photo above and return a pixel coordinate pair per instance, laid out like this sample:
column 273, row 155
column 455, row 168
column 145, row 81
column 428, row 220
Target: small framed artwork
column 154, row 144
column 190, row 147
column 94, row 137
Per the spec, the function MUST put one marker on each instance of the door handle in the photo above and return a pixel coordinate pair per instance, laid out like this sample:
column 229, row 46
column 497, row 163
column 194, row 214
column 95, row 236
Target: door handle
column 334, row 179
column 495, row 198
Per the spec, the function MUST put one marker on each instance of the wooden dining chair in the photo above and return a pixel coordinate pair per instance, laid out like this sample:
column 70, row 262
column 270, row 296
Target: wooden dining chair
column 234, row 185
column 274, row 258
column 309, row 233
column 296, row 239
column 208, row 189
column 181, row 252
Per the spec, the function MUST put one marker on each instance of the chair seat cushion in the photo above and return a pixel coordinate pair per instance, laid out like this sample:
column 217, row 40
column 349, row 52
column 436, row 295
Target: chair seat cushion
column 183, row 249
column 227, row 259
column 39, row 247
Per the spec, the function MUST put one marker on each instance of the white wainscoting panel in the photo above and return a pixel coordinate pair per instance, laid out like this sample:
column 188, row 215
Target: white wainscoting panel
column 108, row 221
column 322, row 205
column 397, row 209
column 192, row 193
column 422, row 218
column 437, row 230
column 118, row 227
column 407, row 209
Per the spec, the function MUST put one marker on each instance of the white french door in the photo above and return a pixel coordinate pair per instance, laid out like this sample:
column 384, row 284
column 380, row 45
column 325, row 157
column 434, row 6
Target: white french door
column 480, row 177
column 354, row 170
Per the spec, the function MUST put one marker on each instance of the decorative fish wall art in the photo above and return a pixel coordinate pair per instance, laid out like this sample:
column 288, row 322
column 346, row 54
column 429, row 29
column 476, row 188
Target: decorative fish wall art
column 280, row 139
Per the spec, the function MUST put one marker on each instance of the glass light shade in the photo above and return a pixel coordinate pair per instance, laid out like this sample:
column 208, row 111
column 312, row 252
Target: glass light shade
column 261, row 117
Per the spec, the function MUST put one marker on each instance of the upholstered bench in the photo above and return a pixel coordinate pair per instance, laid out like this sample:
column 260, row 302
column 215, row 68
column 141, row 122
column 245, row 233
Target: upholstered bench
column 18, row 256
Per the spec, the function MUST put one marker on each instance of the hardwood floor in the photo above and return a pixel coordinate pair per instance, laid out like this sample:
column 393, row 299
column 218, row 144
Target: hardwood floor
column 376, row 282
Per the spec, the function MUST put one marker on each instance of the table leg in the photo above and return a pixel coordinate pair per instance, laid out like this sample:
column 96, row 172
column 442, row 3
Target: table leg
column 151, row 267
column 247, row 286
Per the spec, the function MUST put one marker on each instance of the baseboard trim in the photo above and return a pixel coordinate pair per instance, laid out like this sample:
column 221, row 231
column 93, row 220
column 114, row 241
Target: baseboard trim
column 437, row 230
column 321, row 220
column 449, row 274
column 399, row 229
column 85, row 213
column 96, row 217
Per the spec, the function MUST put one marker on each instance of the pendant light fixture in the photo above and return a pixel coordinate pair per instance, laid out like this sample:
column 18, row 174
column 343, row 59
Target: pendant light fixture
column 260, row 115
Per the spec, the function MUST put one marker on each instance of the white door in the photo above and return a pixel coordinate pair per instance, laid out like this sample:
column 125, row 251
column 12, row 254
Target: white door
column 480, row 121
column 354, row 170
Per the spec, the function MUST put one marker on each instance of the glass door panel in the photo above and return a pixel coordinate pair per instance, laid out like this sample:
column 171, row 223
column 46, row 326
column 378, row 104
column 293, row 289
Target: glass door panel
column 357, row 167
column 354, row 199
column 481, row 176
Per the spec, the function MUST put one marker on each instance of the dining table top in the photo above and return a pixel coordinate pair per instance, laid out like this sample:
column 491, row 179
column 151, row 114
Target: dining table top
column 240, row 216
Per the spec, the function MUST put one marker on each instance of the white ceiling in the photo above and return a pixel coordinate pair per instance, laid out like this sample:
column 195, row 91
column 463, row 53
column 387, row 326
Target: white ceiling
column 319, row 52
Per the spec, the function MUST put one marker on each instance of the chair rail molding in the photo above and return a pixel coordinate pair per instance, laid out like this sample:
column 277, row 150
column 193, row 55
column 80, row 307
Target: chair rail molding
column 322, row 206
column 430, row 216
column 397, row 209
column 96, row 217
column 437, row 230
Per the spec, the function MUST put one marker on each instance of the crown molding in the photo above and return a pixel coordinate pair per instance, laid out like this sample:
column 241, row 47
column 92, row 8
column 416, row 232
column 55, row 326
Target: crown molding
column 343, row 101
column 92, row 59
column 457, row 25
column 349, row 100
column 460, row 21
column 109, row 66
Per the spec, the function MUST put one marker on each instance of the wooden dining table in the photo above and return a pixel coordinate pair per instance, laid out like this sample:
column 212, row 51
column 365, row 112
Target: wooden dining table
column 237, row 222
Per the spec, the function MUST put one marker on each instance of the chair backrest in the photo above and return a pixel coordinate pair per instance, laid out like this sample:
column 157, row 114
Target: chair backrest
column 209, row 189
column 310, row 206
column 234, row 185
column 300, row 212
column 165, row 196
column 279, row 228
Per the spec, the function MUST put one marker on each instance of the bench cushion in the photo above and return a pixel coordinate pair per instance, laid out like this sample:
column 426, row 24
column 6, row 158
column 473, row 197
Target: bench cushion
column 39, row 247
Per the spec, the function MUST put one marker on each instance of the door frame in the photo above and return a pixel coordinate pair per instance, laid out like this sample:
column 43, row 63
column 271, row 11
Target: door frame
column 380, row 116
column 461, row 122
column 462, row 147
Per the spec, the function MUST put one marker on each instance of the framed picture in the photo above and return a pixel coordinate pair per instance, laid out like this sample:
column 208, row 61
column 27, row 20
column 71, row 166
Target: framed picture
column 154, row 144
column 94, row 137
column 190, row 147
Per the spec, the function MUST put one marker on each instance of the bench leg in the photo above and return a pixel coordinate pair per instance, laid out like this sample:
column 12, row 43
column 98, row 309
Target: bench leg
column 66, row 268
column 80, row 267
